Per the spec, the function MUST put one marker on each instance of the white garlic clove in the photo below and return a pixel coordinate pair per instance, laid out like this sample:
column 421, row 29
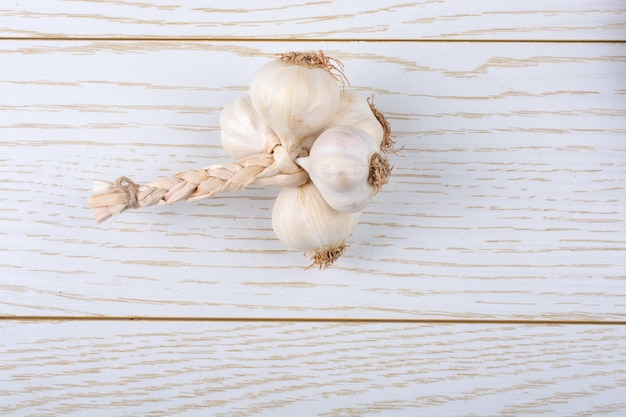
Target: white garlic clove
column 354, row 110
column 295, row 99
column 340, row 164
column 303, row 220
column 243, row 130
column 343, row 187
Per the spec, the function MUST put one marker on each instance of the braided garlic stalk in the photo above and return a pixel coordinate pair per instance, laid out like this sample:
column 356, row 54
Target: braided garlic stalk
column 276, row 168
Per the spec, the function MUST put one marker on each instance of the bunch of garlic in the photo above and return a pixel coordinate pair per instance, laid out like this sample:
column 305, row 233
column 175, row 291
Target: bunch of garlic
column 298, row 109
column 297, row 128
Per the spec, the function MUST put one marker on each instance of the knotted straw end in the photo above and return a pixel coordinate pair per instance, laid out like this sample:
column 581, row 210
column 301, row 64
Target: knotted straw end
column 111, row 199
column 129, row 190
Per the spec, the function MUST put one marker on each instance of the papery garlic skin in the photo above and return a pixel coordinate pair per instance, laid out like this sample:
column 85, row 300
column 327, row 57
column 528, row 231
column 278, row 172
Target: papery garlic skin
column 243, row 131
column 354, row 110
column 294, row 100
column 339, row 166
column 303, row 220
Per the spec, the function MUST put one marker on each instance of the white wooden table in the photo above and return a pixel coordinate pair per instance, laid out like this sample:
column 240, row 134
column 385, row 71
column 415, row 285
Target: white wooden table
column 488, row 278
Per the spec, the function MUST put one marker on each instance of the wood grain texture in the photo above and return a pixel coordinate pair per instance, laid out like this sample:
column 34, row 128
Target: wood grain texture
column 287, row 369
column 506, row 211
column 316, row 20
column 508, row 201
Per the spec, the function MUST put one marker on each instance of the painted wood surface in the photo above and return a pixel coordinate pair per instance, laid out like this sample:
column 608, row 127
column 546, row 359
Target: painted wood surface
column 289, row 19
column 507, row 201
column 505, row 215
column 326, row 369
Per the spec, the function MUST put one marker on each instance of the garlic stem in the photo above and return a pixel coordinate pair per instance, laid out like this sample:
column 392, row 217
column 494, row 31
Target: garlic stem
column 110, row 199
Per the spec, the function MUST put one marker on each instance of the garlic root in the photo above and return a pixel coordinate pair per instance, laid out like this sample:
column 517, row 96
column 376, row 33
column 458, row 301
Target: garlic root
column 387, row 144
column 323, row 258
column 317, row 60
column 379, row 171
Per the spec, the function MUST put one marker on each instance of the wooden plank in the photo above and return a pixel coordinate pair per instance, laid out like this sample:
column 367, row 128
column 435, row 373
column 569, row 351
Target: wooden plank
column 286, row 369
column 507, row 202
column 288, row 19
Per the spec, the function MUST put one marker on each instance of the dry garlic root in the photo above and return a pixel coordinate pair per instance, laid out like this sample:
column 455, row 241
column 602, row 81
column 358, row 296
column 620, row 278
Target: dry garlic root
column 297, row 128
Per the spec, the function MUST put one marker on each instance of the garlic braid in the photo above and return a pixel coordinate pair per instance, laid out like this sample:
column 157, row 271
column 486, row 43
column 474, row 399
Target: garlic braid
column 274, row 168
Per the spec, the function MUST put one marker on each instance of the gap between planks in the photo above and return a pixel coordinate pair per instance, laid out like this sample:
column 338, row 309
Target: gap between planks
column 301, row 40
column 317, row 320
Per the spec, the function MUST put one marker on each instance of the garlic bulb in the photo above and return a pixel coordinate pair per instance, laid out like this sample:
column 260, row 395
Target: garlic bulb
column 354, row 110
column 344, row 164
column 243, row 131
column 302, row 219
column 296, row 95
